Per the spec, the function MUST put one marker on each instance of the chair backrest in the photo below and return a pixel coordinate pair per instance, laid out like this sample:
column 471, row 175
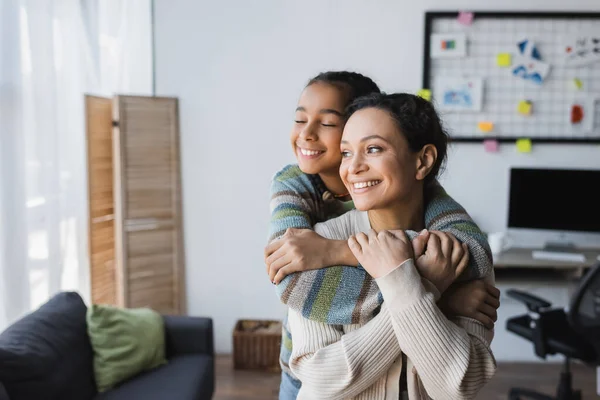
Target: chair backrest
column 584, row 310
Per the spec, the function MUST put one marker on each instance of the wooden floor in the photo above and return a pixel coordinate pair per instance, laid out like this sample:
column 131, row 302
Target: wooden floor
column 242, row 385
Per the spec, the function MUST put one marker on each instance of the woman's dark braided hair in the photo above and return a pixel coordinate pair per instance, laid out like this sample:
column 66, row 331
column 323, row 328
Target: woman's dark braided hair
column 415, row 118
column 359, row 84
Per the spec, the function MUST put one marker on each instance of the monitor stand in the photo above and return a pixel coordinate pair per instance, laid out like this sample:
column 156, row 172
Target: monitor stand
column 559, row 252
column 560, row 247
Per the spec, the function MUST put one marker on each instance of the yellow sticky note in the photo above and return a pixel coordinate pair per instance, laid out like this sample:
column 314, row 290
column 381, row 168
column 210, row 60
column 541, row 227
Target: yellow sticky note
column 524, row 145
column 525, row 107
column 578, row 83
column 485, row 126
column 504, row 60
column 424, row 93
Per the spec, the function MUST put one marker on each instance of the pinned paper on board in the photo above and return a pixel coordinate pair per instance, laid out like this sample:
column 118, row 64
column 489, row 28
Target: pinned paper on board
column 504, row 60
column 490, row 145
column 448, row 45
column 425, row 94
column 581, row 50
column 458, row 94
column 485, row 126
column 524, row 145
column 531, row 70
column 528, row 49
column 528, row 63
column 465, row 18
column 576, row 113
column 525, row 107
column 583, row 111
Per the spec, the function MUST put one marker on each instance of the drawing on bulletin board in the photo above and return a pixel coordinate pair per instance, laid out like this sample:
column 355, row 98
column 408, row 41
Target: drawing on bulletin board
column 458, row 94
column 581, row 50
column 504, row 76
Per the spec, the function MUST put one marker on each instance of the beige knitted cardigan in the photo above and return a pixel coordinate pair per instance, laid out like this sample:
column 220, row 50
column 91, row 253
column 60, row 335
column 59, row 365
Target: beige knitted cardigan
column 445, row 359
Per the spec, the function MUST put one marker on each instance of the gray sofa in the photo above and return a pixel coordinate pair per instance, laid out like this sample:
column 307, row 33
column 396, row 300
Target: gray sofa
column 47, row 355
column 3, row 394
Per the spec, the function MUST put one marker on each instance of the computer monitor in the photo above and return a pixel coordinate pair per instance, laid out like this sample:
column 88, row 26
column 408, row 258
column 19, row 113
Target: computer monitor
column 554, row 208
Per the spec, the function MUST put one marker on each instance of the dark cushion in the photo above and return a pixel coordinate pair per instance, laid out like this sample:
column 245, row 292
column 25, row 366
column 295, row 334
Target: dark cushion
column 47, row 354
column 3, row 394
column 188, row 377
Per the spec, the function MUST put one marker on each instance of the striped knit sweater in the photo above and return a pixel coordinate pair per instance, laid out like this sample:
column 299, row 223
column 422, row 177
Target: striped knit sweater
column 299, row 200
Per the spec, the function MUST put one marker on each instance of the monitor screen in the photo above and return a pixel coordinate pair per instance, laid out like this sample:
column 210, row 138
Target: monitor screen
column 554, row 199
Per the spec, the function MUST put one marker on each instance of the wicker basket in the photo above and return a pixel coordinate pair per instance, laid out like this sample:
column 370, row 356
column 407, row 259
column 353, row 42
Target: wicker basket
column 256, row 345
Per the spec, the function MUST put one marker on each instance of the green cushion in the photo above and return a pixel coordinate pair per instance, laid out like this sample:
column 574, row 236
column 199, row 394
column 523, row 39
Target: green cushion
column 125, row 342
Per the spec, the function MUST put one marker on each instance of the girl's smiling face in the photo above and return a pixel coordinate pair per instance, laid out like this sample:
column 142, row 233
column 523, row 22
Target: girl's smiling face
column 318, row 126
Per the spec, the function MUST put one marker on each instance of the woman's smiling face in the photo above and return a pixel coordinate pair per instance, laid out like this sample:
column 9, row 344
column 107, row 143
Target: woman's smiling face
column 378, row 168
column 318, row 126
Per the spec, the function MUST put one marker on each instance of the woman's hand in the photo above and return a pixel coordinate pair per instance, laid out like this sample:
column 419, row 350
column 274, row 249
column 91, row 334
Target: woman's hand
column 476, row 299
column 380, row 253
column 297, row 250
column 442, row 259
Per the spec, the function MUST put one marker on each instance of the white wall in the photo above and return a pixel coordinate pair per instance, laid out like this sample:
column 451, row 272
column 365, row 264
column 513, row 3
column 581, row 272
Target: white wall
column 238, row 68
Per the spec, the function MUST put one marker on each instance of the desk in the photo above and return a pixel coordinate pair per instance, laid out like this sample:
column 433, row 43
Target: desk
column 522, row 258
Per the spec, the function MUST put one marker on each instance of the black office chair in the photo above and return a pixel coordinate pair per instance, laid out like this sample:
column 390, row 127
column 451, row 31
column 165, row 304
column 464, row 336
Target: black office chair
column 574, row 333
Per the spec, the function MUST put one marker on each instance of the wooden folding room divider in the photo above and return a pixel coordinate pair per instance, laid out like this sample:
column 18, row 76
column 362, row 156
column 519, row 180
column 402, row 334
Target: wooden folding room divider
column 134, row 187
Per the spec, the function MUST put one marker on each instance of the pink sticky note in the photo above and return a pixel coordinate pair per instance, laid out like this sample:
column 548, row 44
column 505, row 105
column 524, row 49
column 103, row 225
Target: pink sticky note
column 465, row 18
column 490, row 145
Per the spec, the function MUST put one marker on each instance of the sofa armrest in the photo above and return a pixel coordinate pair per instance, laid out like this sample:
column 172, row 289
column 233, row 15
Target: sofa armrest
column 188, row 335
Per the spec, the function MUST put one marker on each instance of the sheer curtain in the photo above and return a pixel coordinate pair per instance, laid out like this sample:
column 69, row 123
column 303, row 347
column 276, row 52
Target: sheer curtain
column 51, row 54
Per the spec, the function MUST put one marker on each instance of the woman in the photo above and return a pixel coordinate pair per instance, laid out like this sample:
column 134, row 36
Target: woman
column 312, row 191
column 392, row 149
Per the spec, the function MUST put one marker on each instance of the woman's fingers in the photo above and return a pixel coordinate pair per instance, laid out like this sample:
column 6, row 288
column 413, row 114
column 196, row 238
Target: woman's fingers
column 386, row 234
column 464, row 261
column 434, row 245
column 355, row 247
column 420, row 242
column 446, row 243
column 492, row 290
column 273, row 246
column 372, row 235
column 274, row 257
column 458, row 252
column 401, row 235
column 362, row 239
column 489, row 311
column 282, row 273
column 492, row 301
column 485, row 320
column 277, row 265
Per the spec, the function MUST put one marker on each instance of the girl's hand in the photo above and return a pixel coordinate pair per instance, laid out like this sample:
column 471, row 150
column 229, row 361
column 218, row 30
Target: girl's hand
column 442, row 259
column 380, row 253
column 297, row 250
column 476, row 299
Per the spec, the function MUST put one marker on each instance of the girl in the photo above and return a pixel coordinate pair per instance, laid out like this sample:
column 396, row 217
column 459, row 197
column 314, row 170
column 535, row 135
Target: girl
column 392, row 148
column 312, row 191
